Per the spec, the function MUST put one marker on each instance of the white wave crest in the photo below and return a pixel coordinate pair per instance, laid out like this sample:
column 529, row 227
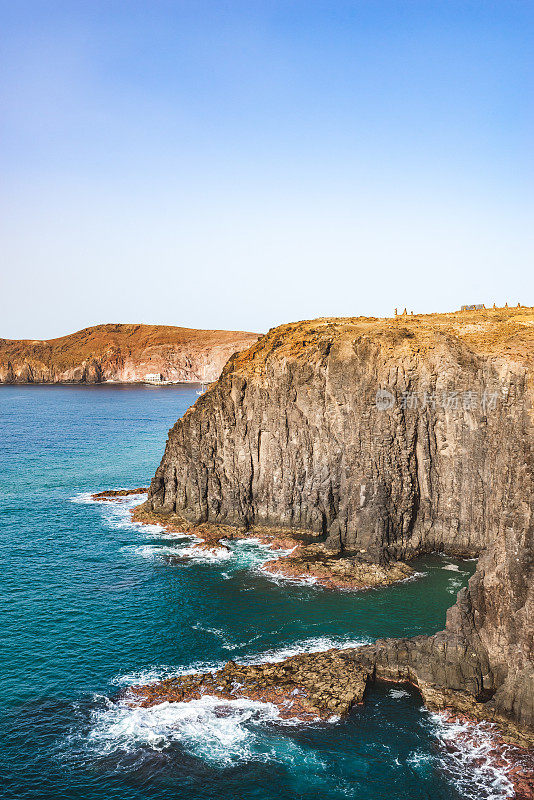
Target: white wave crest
column 281, row 579
column 315, row 644
column 468, row 758
column 221, row 732
column 420, row 761
column 454, row 585
column 397, row 694
column 116, row 512
column 88, row 498
column 84, row 498
column 190, row 552
column 206, row 554
column 413, row 577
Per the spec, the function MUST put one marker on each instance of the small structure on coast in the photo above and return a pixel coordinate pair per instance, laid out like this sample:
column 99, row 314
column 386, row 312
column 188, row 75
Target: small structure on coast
column 154, row 377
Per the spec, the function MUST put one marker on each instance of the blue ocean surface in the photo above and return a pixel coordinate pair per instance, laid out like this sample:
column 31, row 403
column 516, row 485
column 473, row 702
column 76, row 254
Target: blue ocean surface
column 91, row 603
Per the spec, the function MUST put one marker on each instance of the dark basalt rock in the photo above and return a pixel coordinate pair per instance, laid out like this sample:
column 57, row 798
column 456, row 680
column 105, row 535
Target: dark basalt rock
column 114, row 494
column 292, row 436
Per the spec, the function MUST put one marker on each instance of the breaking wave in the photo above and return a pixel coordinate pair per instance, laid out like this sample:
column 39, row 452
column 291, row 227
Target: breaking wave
column 220, row 732
column 225, row 733
column 117, row 512
column 243, row 554
column 398, row 694
column 469, row 759
column 316, row 644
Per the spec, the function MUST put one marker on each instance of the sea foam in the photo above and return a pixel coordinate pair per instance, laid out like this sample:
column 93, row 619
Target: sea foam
column 220, row 732
column 468, row 758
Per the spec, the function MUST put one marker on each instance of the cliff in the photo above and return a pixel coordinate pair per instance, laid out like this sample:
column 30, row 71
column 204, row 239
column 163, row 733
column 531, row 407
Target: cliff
column 122, row 353
column 384, row 439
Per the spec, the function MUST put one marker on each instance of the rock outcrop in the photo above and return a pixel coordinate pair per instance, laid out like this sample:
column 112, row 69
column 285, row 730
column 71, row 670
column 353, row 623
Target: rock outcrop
column 386, row 438
column 123, row 354
column 118, row 494
column 305, row 686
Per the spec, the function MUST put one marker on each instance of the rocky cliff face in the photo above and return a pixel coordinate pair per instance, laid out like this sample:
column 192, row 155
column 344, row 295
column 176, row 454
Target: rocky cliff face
column 387, row 438
column 121, row 353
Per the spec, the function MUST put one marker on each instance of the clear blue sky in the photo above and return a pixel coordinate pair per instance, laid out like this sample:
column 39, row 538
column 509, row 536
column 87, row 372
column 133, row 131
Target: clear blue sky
column 242, row 164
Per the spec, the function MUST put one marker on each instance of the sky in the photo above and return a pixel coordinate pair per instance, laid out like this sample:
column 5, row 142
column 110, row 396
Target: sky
column 243, row 164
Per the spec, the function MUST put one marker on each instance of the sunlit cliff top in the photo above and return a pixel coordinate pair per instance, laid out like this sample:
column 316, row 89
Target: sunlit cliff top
column 500, row 333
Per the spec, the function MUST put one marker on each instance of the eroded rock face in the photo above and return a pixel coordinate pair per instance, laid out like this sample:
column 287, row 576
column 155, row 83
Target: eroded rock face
column 121, row 353
column 294, row 435
column 291, row 436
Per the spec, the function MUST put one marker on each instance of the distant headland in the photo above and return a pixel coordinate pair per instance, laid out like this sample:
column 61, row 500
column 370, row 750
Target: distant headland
column 117, row 353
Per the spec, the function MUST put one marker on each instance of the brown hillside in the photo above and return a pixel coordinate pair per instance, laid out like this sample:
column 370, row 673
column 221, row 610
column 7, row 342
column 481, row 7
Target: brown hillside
column 116, row 352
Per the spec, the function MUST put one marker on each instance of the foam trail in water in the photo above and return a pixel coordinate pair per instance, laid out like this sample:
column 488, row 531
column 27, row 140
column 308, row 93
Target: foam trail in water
column 315, row 644
column 398, row 694
column 117, row 512
column 84, row 498
column 281, row 579
column 213, row 554
column 244, row 554
column 225, row 639
column 454, row 585
column 87, row 498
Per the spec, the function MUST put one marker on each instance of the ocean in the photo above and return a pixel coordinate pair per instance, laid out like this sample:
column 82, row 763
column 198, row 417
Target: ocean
column 91, row 603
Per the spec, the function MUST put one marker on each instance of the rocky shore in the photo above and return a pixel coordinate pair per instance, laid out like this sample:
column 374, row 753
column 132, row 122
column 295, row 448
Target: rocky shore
column 315, row 562
column 117, row 494
column 513, row 760
column 358, row 444
column 322, row 686
column 305, row 686
column 305, row 557
column 310, row 687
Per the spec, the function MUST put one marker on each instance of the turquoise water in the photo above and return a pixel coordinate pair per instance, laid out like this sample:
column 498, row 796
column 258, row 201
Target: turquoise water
column 91, row 602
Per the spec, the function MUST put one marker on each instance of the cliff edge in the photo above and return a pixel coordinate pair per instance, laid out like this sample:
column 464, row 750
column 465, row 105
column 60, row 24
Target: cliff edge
column 383, row 439
column 121, row 353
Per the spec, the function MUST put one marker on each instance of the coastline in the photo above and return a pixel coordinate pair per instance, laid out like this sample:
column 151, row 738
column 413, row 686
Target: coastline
column 515, row 760
column 324, row 687
column 306, row 560
column 317, row 686
column 108, row 383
